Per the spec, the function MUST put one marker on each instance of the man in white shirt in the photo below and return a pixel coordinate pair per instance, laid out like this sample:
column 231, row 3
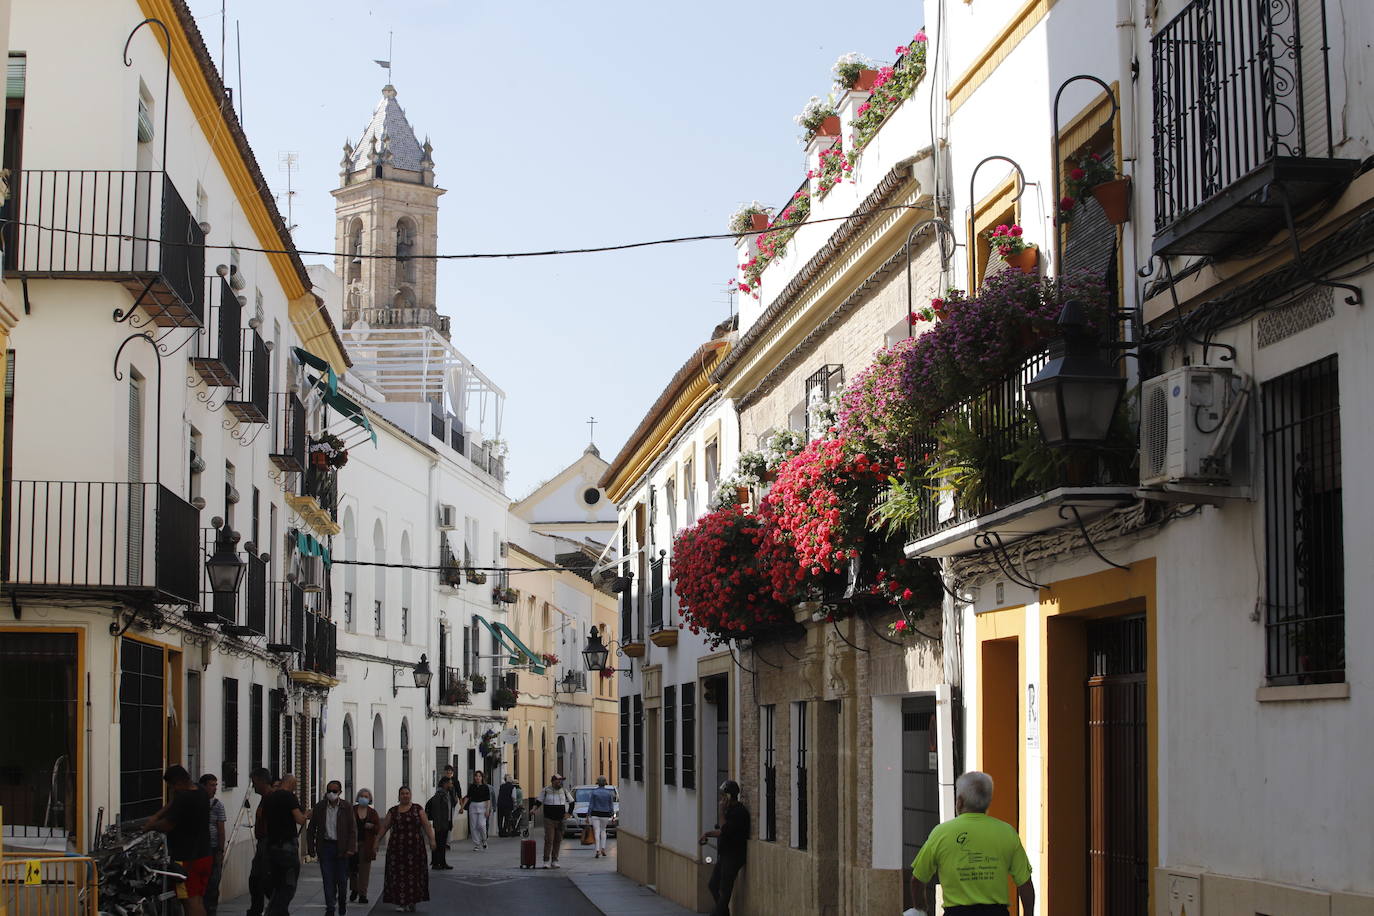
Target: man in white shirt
column 332, row 835
column 555, row 801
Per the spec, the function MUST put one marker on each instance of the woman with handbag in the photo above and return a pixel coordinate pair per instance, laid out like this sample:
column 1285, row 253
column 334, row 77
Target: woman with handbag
column 600, row 810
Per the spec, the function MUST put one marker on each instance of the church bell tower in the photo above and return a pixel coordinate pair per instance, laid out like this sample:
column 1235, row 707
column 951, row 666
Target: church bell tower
column 386, row 212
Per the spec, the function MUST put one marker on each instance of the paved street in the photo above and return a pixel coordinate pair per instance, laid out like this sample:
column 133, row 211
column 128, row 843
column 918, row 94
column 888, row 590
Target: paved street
column 491, row 883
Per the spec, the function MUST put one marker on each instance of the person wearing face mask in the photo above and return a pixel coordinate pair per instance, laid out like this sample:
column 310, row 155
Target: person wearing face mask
column 367, row 826
column 332, row 835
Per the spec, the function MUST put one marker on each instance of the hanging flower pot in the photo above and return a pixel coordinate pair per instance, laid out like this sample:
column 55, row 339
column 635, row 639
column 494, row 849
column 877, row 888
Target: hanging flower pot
column 830, row 127
column 1024, row 260
column 1115, row 198
column 758, row 221
column 864, row 81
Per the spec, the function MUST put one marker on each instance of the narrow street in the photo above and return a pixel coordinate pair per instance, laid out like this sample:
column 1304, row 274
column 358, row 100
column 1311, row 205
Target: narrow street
column 491, row 883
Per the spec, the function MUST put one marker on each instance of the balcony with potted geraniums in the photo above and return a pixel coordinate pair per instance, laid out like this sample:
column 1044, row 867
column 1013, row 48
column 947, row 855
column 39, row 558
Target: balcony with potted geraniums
column 854, row 138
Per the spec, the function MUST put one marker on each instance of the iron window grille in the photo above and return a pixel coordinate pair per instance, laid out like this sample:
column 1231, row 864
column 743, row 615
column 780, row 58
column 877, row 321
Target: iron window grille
column 821, row 386
column 1304, row 519
column 770, row 775
column 254, row 726
column 802, row 826
column 377, row 617
column 229, row 772
column 669, row 736
column 656, row 618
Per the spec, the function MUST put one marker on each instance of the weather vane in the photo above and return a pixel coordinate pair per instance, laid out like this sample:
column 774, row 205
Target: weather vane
column 591, row 428
column 386, row 64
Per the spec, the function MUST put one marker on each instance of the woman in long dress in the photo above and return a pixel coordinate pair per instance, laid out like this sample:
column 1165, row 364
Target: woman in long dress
column 406, row 879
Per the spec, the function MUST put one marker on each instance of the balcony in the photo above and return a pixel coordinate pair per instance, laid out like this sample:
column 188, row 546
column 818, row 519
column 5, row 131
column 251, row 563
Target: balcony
column 1243, row 136
column 397, row 318
column 217, row 356
column 243, row 614
column 661, row 631
column 288, row 432
column 250, row 400
column 453, row 688
column 1006, row 506
column 129, row 227
column 317, row 501
column 131, row 542
column 286, row 629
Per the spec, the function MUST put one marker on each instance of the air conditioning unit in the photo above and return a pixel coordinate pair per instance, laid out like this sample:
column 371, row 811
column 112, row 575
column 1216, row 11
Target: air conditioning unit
column 448, row 517
column 1188, row 422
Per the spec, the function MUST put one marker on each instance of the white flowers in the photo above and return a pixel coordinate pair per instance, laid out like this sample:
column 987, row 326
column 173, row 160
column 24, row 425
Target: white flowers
column 815, row 111
column 850, row 63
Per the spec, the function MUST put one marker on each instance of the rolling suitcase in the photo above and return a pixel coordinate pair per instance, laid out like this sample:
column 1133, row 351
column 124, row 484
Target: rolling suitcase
column 527, row 852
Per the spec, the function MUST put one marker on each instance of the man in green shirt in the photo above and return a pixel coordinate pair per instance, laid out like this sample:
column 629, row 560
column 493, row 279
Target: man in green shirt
column 973, row 855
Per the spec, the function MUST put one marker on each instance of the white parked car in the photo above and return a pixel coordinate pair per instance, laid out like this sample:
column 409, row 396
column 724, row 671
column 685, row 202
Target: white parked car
column 578, row 819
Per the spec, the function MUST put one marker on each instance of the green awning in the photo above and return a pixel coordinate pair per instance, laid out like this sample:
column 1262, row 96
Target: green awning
column 512, row 643
column 536, row 661
column 349, row 408
column 306, row 358
column 307, row 546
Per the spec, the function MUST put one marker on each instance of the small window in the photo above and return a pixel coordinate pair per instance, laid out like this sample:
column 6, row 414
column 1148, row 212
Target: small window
column 591, row 496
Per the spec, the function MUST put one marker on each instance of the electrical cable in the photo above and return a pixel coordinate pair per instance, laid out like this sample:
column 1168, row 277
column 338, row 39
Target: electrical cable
column 466, row 256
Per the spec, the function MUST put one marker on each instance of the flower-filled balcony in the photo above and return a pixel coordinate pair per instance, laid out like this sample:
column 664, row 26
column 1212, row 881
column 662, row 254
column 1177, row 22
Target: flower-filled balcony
column 317, row 501
column 117, row 541
column 288, row 432
column 250, row 400
column 1243, row 134
column 453, row 688
column 130, row 227
column 217, row 354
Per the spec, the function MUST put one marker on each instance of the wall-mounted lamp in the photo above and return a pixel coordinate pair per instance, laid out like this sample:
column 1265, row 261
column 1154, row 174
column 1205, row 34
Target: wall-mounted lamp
column 1076, row 395
column 420, row 673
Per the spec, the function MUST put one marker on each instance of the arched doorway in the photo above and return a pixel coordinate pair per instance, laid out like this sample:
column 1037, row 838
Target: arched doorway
column 379, row 796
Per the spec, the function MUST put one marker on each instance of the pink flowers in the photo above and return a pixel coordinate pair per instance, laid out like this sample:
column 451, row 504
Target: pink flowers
column 883, row 78
column 900, row 50
column 920, row 36
column 1006, row 240
column 863, row 109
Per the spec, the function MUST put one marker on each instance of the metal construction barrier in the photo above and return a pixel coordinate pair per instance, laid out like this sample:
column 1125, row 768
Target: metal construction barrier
column 48, row 886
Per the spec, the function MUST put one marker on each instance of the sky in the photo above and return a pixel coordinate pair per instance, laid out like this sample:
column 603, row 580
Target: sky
column 557, row 125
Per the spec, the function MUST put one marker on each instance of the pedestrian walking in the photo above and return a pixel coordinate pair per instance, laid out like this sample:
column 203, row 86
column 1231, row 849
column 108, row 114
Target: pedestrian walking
column 184, row 820
column 554, row 801
column 280, row 818
column 477, row 803
column 455, row 795
column 368, row 824
column 440, row 811
column 973, row 854
column 600, row 809
column 505, row 804
column 733, row 831
column 406, row 879
column 209, row 784
column 258, row 872
column 332, row 836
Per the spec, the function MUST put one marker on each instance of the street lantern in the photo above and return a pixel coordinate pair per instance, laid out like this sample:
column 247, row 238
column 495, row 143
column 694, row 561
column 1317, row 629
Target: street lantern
column 422, row 673
column 595, row 652
column 1076, row 395
column 224, row 569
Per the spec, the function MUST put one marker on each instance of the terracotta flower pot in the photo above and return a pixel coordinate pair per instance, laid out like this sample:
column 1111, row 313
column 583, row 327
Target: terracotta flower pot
column 940, row 313
column 759, row 221
column 1024, row 260
column 1115, row 198
column 830, row 127
column 742, row 495
column 864, row 81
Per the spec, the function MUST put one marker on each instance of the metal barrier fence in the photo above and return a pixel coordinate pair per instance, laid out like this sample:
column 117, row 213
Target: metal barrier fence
column 48, row 886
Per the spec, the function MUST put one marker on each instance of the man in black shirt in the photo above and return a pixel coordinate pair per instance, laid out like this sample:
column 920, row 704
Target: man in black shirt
column 439, row 810
column 185, row 820
column 280, row 817
column 733, row 831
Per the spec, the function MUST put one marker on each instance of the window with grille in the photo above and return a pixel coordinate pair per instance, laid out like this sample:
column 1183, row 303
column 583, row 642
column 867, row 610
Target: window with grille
column 1304, row 518
column 405, row 624
column 377, row 618
column 670, row 736
column 229, row 770
column 770, row 773
column 254, row 726
column 624, row 738
column 821, row 386
column 689, row 736
column 276, row 702
column 348, row 610
column 637, row 723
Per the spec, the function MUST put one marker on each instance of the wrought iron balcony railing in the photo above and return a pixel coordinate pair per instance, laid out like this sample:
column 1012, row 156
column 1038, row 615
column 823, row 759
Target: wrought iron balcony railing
column 217, row 356
column 125, row 541
column 453, row 687
column 656, row 621
column 413, row 317
column 1243, row 136
column 1001, row 420
column 288, row 432
column 250, row 400
column 131, row 227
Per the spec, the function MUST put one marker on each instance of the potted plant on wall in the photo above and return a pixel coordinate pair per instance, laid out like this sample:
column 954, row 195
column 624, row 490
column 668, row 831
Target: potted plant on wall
column 819, row 117
column 1093, row 174
column 1009, row 243
column 855, row 71
column 479, row 683
column 455, row 694
column 504, row 698
column 750, row 217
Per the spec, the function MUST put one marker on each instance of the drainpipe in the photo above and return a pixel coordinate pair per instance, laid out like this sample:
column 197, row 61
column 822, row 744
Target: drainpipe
column 1127, row 69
